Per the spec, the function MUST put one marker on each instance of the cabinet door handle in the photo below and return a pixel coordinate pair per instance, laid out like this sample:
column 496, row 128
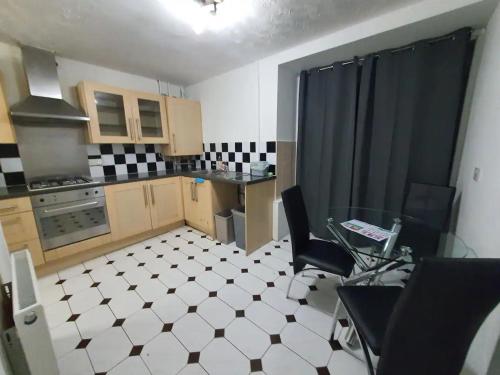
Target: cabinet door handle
column 138, row 125
column 132, row 130
column 151, row 190
column 196, row 192
column 173, row 143
column 192, row 191
column 145, row 195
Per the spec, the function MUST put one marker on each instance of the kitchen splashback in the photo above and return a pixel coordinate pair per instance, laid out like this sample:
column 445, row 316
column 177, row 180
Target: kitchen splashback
column 11, row 166
column 121, row 159
column 238, row 155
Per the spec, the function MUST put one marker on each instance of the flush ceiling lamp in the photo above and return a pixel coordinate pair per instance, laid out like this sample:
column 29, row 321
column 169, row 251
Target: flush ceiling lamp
column 212, row 15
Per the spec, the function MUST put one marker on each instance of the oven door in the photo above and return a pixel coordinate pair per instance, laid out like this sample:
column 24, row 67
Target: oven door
column 66, row 223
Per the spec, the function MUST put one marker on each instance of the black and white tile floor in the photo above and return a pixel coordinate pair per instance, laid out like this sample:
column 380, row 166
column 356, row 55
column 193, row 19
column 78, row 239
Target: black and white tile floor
column 181, row 303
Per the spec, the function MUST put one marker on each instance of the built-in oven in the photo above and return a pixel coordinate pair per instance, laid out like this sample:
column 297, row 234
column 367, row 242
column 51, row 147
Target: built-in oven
column 70, row 216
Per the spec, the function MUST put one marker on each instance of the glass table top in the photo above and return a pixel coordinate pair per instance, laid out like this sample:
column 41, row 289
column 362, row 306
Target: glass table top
column 387, row 235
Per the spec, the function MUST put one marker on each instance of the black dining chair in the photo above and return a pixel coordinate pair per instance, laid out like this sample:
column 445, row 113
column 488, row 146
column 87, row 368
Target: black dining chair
column 320, row 255
column 431, row 206
column 427, row 327
column 430, row 203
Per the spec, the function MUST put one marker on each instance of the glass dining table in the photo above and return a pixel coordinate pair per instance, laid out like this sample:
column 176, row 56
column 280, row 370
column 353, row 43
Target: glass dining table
column 380, row 238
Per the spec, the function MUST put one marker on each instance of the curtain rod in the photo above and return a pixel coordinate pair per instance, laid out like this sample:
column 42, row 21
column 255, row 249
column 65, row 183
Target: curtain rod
column 475, row 33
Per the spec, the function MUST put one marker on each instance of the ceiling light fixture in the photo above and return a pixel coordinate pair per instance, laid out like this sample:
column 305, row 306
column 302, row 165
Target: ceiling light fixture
column 213, row 15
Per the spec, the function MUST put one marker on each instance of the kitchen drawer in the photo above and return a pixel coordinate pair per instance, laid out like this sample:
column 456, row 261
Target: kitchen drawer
column 34, row 247
column 19, row 227
column 12, row 206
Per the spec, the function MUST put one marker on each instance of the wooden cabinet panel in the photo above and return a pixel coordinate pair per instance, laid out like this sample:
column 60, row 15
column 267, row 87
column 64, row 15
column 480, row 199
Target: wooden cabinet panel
column 15, row 205
column 110, row 111
column 19, row 227
column 188, row 199
column 184, row 121
column 166, row 201
column 198, row 205
column 204, row 208
column 128, row 209
column 150, row 118
column 7, row 134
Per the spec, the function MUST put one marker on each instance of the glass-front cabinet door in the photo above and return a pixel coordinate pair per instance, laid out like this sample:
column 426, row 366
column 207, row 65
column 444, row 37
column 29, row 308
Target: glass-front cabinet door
column 150, row 117
column 110, row 112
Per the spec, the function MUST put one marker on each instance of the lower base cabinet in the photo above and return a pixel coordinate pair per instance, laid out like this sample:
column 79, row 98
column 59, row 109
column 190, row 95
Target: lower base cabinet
column 138, row 207
column 19, row 227
column 203, row 200
column 166, row 201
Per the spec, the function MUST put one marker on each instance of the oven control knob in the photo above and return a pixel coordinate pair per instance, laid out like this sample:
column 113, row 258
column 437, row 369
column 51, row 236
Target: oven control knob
column 86, row 193
column 42, row 200
column 96, row 192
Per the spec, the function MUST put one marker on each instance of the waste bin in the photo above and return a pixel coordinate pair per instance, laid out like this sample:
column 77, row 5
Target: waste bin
column 224, row 226
column 239, row 226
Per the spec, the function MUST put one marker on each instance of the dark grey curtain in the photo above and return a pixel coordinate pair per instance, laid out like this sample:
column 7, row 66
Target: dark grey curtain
column 409, row 110
column 328, row 101
column 368, row 130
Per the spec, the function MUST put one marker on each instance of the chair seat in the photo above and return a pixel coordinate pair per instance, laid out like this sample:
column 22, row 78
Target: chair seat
column 327, row 256
column 370, row 308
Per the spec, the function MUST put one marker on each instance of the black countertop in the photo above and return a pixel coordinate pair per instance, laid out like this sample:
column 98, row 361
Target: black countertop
column 236, row 178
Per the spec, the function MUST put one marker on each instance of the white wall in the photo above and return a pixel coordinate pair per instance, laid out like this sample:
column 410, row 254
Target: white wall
column 479, row 216
column 230, row 106
column 286, row 119
column 70, row 73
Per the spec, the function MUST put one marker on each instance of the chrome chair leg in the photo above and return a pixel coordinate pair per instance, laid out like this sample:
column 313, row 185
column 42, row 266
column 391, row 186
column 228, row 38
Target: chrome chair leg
column 294, row 276
column 335, row 318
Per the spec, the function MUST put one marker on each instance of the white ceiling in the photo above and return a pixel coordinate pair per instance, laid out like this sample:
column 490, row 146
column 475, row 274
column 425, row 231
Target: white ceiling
column 141, row 37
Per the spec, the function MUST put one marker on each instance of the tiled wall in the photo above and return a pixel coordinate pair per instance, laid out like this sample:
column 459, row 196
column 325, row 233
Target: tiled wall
column 238, row 155
column 11, row 167
column 118, row 159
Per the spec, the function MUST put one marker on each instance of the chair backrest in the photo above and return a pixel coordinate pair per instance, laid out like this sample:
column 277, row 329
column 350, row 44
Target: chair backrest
column 430, row 203
column 438, row 315
column 296, row 215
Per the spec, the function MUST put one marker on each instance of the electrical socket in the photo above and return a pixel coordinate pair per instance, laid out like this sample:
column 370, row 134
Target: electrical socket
column 477, row 174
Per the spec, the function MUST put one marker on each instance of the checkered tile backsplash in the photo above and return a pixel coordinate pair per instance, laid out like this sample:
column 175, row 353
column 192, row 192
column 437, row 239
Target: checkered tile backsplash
column 118, row 159
column 11, row 167
column 238, row 155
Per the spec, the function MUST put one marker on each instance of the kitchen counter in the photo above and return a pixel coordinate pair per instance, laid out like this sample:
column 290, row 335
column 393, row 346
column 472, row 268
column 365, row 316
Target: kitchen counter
column 237, row 178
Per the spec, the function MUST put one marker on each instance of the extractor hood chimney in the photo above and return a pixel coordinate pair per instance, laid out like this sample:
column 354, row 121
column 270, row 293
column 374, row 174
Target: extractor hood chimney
column 45, row 101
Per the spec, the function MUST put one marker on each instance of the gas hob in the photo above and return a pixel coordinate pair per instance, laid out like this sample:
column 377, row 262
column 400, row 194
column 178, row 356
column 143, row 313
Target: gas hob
column 56, row 182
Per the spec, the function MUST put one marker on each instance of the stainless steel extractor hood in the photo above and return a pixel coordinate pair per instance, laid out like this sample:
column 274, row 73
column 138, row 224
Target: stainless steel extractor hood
column 45, row 101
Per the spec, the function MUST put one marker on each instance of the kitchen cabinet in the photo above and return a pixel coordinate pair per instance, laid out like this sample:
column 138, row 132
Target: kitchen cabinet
column 19, row 227
column 150, row 118
column 123, row 116
column 203, row 200
column 110, row 112
column 166, row 201
column 7, row 134
column 184, row 121
column 128, row 209
column 138, row 207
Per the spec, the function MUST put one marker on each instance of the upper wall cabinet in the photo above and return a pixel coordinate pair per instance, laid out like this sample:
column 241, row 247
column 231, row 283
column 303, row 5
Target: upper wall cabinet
column 7, row 134
column 150, row 118
column 110, row 112
column 184, row 119
column 123, row 116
